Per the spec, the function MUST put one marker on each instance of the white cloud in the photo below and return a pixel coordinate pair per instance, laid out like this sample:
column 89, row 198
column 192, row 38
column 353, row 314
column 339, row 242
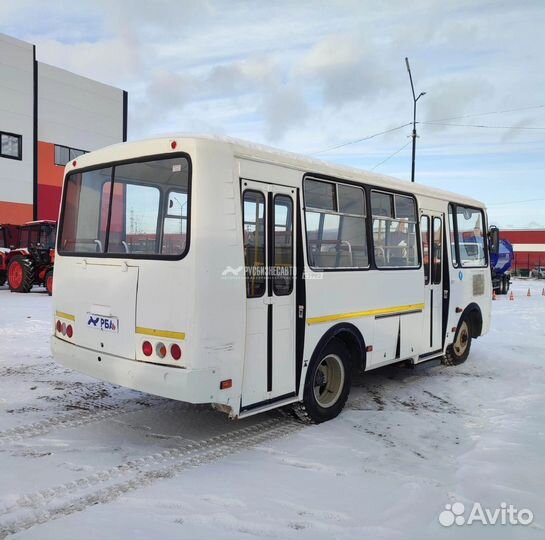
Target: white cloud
column 309, row 75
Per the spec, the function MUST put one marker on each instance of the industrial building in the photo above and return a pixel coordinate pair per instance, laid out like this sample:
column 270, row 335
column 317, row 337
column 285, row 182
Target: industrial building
column 528, row 246
column 48, row 116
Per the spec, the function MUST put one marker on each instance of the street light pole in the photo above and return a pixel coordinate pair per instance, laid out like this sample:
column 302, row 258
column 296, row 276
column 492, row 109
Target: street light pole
column 415, row 99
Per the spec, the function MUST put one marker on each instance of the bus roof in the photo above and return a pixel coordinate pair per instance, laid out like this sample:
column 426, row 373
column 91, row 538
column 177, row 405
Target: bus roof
column 258, row 152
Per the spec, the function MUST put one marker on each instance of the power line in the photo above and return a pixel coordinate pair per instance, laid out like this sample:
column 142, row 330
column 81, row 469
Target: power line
column 360, row 140
column 480, row 126
column 488, row 113
column 439, row 123
column 391, row 155
column 516, row 202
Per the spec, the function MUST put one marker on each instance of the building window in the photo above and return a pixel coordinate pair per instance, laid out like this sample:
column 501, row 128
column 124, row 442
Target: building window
column 335, row 225
column 11, row 145
column 64, row 154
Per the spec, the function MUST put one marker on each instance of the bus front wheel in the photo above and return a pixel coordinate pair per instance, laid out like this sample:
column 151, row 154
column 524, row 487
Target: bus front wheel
column 327, row 384
column 458, row 352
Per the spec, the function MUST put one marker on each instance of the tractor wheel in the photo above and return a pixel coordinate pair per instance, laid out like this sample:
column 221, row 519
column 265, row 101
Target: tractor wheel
column 20, row 274
column 49, row 282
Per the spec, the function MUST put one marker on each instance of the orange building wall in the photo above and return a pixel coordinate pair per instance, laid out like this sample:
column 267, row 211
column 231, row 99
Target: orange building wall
column 15, row 213
column 50, row 177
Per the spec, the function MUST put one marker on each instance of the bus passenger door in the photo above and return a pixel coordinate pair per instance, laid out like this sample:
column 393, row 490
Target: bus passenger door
column 269, row 251
column 431, row 228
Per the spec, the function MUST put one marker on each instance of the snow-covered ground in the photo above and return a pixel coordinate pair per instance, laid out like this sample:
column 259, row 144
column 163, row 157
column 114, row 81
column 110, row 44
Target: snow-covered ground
column 84, row 459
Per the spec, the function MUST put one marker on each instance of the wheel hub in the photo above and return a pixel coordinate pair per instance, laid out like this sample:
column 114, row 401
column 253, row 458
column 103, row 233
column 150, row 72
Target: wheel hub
column 328, row 381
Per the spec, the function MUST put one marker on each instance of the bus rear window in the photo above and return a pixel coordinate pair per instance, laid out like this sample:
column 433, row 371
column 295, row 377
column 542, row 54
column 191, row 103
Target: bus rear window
column 137, row 209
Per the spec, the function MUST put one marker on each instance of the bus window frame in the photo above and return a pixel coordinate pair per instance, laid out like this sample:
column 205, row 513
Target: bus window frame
column 129, row 161
column 393, row 192
column 336, row 181
column 266, row 252
column 369, row 223
column 452, row 208
column 292, row 239
column 427, row 278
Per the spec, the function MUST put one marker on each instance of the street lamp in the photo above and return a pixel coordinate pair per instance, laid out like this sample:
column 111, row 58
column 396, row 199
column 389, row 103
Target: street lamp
column 415, row 99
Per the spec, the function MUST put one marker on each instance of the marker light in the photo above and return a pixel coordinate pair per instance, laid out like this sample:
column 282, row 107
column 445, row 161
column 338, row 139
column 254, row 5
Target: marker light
column 173, row 145
column 175, row 351
column 161, row 350
column 74, row 163
column 228, row 383
column 147, row 348
column 69, row 331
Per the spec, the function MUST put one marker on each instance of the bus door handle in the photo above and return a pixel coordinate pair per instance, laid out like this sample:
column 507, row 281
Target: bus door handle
column 445, row 294
column 301, row 311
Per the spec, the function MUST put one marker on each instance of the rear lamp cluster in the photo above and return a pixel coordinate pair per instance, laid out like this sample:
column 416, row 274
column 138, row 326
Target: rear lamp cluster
column 64, row 329
column 162, row 350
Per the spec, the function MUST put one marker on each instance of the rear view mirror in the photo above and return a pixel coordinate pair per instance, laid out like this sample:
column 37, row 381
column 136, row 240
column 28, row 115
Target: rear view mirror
column 494, row 240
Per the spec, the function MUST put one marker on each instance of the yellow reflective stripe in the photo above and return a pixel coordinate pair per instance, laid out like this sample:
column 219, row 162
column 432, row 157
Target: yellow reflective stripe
column 368, row 313
column 160, row 333
column 64, row 315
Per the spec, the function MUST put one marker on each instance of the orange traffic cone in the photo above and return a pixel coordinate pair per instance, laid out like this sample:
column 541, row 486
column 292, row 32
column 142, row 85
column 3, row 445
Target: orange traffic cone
column 511, row 296
column 528, row 293
column 493, row 294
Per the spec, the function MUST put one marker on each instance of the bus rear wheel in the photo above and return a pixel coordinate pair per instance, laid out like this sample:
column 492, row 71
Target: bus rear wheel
column 458, row 352
column 327, row 385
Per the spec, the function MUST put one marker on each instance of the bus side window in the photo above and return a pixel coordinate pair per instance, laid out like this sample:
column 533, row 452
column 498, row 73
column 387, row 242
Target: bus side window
column 253, row 222
column 452, row 236
column 283, row 245
column 437, row 251
column 425, row 232
column 394, row 230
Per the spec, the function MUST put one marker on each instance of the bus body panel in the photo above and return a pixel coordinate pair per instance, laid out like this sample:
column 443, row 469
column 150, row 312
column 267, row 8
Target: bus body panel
column 199, row 302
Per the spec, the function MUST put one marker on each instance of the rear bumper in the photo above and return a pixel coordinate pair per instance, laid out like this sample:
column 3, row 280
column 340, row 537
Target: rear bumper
column 190, row 385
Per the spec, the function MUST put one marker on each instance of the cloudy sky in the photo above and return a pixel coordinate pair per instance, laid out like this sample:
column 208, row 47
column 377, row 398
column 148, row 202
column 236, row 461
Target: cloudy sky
column 311, row 76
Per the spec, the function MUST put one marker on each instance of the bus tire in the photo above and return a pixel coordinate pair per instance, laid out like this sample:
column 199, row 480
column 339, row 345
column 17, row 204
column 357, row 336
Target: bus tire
column 327, row 384
column 458, row 351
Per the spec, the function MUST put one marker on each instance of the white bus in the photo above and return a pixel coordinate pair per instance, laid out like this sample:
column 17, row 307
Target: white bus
column 209, row 270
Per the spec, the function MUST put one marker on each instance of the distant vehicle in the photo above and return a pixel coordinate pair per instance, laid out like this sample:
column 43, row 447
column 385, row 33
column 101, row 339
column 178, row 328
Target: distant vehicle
column 539, row 272
column 215, row 271
column 9, row 239
column 31, row 262
column 500, row 266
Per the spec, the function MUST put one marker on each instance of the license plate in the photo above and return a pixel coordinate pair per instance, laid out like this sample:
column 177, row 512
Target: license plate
column 105, row 324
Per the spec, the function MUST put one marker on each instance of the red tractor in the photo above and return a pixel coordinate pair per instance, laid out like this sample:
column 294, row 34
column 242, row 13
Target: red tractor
column 31, row 263
column 9, row 239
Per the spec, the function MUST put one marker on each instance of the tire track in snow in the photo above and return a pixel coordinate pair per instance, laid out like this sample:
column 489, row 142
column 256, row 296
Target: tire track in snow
column 85, row 412
column 65, row 499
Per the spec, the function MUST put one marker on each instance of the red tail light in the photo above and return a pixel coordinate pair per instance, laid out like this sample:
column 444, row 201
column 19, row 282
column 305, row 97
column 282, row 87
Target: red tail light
column 59, row 327
column 175, row 351
column 147, row 348
column 69, row 331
